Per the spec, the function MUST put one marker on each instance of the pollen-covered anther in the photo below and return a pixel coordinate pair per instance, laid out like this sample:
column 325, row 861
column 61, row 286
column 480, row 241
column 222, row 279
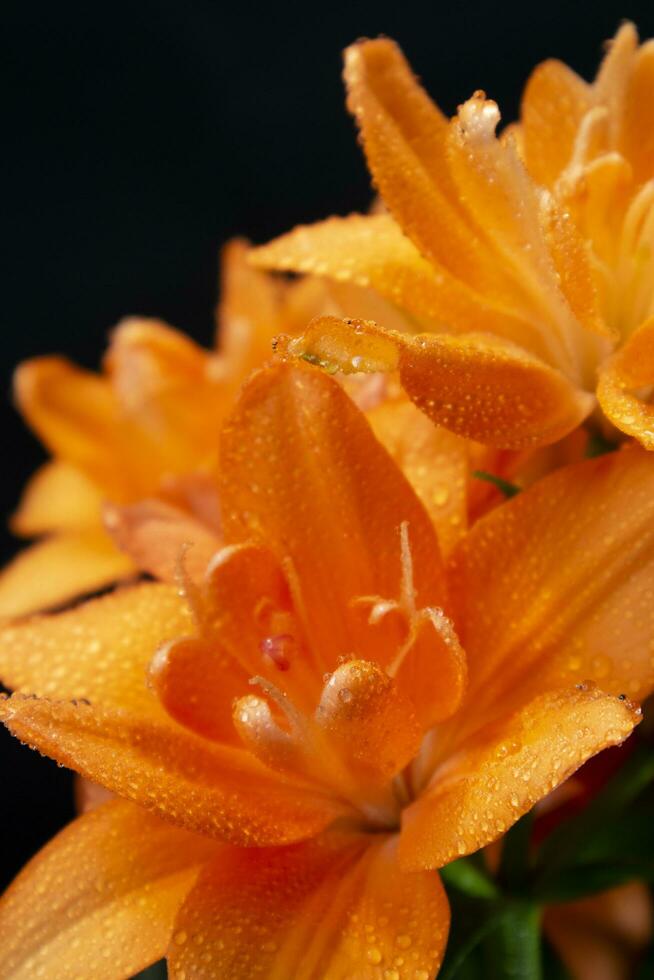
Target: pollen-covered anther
column 479, row 116
column 283, row 737
column 370, row 721
column 263, row 736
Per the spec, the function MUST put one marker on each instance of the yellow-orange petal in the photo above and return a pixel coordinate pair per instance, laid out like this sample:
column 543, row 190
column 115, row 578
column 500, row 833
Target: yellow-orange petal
column 74, row 412
column 483, row 788
column 477, row 385
column 598, row 202
column 364, row 251
column 637, row 130
column 532, row 620
column 249, row 312
column 612, row 79
column 160, row 538
column 203, row 787
column 370, row 252
column 490, row 390
column 58, row 497
column 554, row 103
column 403, row 136
column 168, row 390
column 197, row 682
column 572, row 260
column 244, row 593
column 100, row 899
column 99, row 651
column 433, row 674
column 629, row 369
column 434, row 460
column 498, row 190
column 302, row 471
column 327, row 908
column 59, row 568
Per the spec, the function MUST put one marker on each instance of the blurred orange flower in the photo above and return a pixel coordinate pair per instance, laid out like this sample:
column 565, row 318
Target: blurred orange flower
column 311, row 696
column 526, row 257
column 146, row 427
column 602, row 937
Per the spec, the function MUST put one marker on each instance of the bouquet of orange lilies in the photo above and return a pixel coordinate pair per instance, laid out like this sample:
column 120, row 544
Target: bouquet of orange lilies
column 330, row 619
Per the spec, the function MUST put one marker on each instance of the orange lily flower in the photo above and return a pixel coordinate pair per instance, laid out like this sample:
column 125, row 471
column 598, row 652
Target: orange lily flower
column 524, row 262
column 310, row 696
column 147, row 426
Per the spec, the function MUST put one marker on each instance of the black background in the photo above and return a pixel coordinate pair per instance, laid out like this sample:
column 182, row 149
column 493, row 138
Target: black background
column 137, row 138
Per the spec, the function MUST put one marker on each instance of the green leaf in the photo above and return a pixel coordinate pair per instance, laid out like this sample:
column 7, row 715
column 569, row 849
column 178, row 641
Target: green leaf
column 573, row 841
column 508, row 489
column 582, row 880
column 629, row 838
column 467, row 877
column 472, row 920
column 514, row 862
column 513, row 947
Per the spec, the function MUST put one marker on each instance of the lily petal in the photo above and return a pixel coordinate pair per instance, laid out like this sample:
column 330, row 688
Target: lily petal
column 302, row 470
column 244, row 589
column 637, row 135
column 99, row 651
column 327, row 908
column 371, row 251
column 203, row 787
column 157, row 537
column 630, row 368
column 197, row 683
column 554, row 103
column 57, row 498
column 532, row 620
column 511, row 400
column 249, row 311
column 74, row 413
column 59, row 568
column 434, row 460
column 403, row 136
column 571, row 257
column 497, row 188
column 612, row 79
column 164, row 386
column 105, row 892
column 500, row 773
